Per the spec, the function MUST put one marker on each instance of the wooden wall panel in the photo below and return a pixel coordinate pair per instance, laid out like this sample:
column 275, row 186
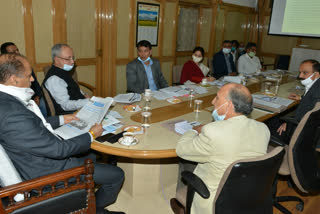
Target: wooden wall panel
column 170, row 11
column 12, row 23
column 219, row 29
column 81, row 27
column 59, row 21
column 121, row 79
column 123, row 27
column 166, row 70
column 313, row 43
column 205, row 28
column 235, row 26
column 43, row 32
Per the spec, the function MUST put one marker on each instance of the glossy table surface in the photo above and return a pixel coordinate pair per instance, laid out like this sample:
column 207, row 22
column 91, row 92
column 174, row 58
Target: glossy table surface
column 160, row 142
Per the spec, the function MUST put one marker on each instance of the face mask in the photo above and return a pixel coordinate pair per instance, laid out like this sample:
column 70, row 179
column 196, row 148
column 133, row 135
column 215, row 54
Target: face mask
column 307, row 81
column 233, row 49
column 196, row 59
column 67, row 67
column 144, row 60
column 251, row 54
column 226, row 50
column 218, row 117
column 241, row 49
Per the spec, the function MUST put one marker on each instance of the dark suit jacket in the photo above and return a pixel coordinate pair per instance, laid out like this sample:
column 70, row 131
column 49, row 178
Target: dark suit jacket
column 33, row 149
column 308, row 101
column 137, row 80
column 220, row 65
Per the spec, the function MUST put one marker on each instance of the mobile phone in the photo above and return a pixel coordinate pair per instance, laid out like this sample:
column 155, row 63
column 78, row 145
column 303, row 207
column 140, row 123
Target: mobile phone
column 104, row 138
column 115, row 138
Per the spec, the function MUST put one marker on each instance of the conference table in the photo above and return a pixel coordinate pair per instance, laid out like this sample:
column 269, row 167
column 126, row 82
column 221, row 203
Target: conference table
column 151, row 166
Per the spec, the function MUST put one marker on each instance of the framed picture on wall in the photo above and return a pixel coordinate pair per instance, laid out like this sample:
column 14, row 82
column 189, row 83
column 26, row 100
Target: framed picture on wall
column 147, row 22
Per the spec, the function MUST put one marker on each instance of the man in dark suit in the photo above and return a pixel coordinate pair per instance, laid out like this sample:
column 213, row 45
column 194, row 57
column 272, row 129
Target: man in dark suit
column 30, row 141
column 144, row 72
column 223, row 64
column 309, row 75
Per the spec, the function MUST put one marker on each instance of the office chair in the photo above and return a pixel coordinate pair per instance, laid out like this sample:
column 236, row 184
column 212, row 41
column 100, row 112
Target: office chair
column 68, row 191
column 280, row 62
column 245, row 188
column 302, row 160
column 176, row 74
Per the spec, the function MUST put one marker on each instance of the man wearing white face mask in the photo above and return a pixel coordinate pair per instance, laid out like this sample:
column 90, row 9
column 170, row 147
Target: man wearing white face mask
column 223, row 64
column 248, row 63
column 144, row 72
column 66, row 94
column 216, row 145
column 309, row 75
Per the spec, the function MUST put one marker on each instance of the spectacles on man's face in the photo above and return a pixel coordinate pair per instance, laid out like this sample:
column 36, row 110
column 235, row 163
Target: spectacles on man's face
column 68, row 59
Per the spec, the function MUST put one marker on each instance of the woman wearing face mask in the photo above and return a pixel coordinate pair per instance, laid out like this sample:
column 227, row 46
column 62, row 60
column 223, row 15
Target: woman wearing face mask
column 194, row 70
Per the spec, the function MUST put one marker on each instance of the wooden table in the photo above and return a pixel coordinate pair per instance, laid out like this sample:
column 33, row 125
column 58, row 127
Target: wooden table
column 151, row 167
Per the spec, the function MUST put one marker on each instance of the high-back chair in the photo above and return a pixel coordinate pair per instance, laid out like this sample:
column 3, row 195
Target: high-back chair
column 176, row 74
column 68, row 191
column 303, row 160
column 245, row 188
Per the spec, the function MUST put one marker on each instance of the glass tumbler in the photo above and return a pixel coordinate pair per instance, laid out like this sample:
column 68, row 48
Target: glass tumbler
column 145, row 119
column 197, row 105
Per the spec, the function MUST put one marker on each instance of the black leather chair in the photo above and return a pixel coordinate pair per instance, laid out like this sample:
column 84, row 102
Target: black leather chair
column 280, row 62
column 302, row 161
column 69, row 191
column 245, row 188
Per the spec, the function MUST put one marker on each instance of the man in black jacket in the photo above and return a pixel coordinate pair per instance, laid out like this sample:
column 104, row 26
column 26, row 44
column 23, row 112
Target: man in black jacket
column 223, row 64
column 309, row 75
column 10, row 47
column 30, row 141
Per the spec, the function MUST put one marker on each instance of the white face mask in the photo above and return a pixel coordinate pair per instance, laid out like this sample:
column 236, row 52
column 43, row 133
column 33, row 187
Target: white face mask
column 23, row 94
column 226, row 50
column 67, row 67
column 308, row 81
column 196, row 59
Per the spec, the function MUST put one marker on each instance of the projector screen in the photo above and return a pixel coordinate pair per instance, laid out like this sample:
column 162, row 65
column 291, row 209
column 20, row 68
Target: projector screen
column 295, row 18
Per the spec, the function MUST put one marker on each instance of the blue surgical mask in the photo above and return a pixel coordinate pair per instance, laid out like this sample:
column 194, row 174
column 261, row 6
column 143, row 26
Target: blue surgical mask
column 67, row 67
column 218, row 117
column 144, row 60
column 233, row 49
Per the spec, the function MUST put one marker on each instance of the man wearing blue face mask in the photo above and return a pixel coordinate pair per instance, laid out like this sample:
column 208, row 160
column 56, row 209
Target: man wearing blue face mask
column 223, row 64
column 64, row 91
column 144, row 72
column 216, row 145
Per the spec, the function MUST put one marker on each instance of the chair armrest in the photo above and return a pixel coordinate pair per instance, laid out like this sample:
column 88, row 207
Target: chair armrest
column 289, row 120
column 88, row 86
column 196, row 183
column 276, row 141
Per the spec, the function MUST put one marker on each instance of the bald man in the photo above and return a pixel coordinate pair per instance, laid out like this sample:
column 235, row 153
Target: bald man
column 216, row 145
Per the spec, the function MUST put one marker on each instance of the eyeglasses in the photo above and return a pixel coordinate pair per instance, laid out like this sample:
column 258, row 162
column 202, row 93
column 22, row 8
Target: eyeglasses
column 68, row 59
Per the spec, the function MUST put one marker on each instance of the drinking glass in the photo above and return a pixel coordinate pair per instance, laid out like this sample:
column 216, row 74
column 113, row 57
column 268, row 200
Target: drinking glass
column 145, row 119
column 197, row 105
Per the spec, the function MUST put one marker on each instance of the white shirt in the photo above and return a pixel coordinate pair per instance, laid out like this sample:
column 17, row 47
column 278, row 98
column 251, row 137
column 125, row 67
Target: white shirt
column 58, row 89
column 204, row 69
column 248, row 65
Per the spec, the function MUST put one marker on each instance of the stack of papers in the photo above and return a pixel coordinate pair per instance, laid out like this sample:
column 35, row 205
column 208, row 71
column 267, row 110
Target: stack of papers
column 175, row 91
column 110, row 124
column 196, row 89
column 160, row 95
column 273, row 104
column 218, row 83
column 233, row 79
column 127, row 98
column 184, row 126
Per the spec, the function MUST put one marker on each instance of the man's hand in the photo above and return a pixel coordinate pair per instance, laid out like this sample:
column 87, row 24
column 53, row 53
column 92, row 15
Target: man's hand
column 210, row 79
column 198, row 128
column 36, row 99
column 294, row 96
column 97, row 130
column 233, row 74
column 87, row 96
column 282, row 128
column 69, row 117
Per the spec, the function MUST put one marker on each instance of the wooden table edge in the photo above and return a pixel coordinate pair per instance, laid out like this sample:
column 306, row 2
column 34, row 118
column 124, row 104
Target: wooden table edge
column 140, row 154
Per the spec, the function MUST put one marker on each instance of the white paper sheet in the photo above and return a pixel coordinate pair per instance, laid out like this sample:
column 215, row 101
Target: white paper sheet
column 127, row 98
column 93, row 112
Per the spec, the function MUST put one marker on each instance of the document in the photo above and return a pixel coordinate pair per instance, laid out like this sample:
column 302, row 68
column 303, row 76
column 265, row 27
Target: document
column 175, row 91
column 161, row 95
column 93, row 112
column 184, row 126
column 127, row 98
column 273, row 104
column 233, row 79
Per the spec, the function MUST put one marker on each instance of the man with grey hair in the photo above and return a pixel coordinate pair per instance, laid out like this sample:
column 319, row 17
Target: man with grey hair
column 64, row 91
column 31, row 143
column 216, row 145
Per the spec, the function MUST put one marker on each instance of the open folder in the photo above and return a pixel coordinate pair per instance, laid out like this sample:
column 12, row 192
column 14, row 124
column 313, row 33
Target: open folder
column 272, row 104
